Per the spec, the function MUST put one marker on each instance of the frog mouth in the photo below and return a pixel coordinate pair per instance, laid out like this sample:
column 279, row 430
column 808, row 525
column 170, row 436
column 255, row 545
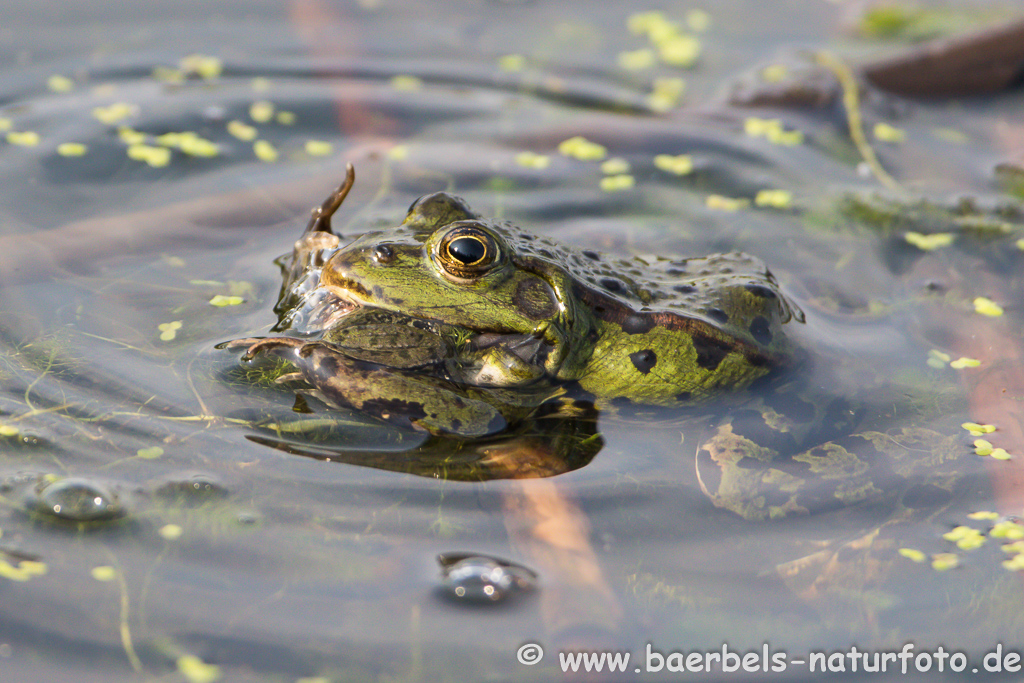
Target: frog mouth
column 329, row 308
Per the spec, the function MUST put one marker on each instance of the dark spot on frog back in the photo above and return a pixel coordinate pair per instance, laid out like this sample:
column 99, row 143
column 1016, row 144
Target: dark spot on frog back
column 612, row 285
column 761, row 330
column 718, row 315
column 638, row 323
column 644, row 360
column 761, row 291
column 710, row 351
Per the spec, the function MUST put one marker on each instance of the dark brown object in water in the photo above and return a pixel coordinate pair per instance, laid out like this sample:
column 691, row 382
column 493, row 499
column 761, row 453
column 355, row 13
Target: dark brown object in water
column 981, row 63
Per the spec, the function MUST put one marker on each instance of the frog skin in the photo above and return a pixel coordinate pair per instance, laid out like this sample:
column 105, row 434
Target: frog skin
column 462, row 327
column 644, row 331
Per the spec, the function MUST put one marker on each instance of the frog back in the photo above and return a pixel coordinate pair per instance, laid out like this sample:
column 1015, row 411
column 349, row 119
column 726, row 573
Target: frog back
column 680, row 331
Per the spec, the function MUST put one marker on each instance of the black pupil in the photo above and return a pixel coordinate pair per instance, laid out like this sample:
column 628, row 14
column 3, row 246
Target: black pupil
column 467, row 249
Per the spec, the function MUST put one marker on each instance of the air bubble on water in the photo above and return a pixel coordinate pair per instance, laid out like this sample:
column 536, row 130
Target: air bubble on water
column 195, row 487
column 483, row 579
column 76, row 499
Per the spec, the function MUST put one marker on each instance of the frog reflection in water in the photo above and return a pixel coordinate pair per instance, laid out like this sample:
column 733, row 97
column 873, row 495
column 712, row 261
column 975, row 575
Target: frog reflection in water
column 464, row 328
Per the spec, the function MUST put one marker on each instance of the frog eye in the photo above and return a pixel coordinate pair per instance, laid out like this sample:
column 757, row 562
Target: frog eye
column 467, row 250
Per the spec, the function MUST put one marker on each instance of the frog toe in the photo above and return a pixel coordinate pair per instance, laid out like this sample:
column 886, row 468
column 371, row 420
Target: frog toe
column 236, row 343
column 278, row 346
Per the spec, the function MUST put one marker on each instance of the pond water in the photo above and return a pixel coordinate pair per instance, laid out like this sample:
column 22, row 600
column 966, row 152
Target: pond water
column 159, row 520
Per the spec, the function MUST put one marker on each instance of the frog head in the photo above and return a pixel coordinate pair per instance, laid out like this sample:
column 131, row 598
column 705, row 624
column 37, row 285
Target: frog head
column 442, row 264
column 446, row 264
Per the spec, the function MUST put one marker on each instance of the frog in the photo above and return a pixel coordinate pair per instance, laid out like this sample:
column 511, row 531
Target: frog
column 534, row 313
column 465, row 327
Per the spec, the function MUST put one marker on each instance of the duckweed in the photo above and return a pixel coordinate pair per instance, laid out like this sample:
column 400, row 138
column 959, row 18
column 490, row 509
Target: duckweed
column 168, row 331
column 635, row 60
column 773, row 131
column 976, row 429
column 681, row 50
column 775, row 199
column 24, row 571
column 512, row 63
column 71, row 149
column 965, row 537
column 196, row 670
column 261, row 111
column 886, row 133
column 170, row 532
column 152, row 156
column 59, row 83
column 964, row 362
column 1007, row 529
column 104, row 573
column 579, row 147
column 720, row 203
column 26, row 138
column 113, row 113
column 264, row 151
column 1016, row 547
column 680, row 164
column 1015, row 563
column 986, row 306
column 945, row 561
column 406, row 82
column 615, row 166
column 130, row 136
column 913, row 554
column 318, row 148
column 220, row 300
column 616, row 183
column 774, row 73
column 533, row 160
column 204, row 66
column 929, row 242
column 666, row 94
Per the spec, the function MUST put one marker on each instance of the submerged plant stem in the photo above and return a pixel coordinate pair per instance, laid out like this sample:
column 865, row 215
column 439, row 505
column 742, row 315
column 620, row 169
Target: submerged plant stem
column 851, row 102
column 125, row 627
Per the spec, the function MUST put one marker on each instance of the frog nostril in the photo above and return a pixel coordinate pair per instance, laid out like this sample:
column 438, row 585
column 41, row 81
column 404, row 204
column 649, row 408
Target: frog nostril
column 383, row 253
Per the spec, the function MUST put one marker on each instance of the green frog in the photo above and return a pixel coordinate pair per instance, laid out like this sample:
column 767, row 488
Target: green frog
column 464, row 327
column 530, row 310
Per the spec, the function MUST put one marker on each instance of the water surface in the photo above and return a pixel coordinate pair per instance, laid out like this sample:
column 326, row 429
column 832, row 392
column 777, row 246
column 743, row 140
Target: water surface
column 207, row 543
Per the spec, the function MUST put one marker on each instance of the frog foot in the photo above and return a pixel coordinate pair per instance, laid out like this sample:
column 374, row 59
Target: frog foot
column 278, row 346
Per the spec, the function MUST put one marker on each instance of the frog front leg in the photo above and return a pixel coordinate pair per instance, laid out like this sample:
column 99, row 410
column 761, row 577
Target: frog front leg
column 412, row 400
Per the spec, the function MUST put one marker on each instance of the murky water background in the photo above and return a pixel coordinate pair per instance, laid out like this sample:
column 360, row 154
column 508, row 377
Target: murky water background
column 212, row 549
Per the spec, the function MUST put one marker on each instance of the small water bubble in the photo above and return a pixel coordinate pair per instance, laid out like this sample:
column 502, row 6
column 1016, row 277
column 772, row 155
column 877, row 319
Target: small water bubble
column 247, row 518
column 483, row 579
column 196, row 487
column 77, row 500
